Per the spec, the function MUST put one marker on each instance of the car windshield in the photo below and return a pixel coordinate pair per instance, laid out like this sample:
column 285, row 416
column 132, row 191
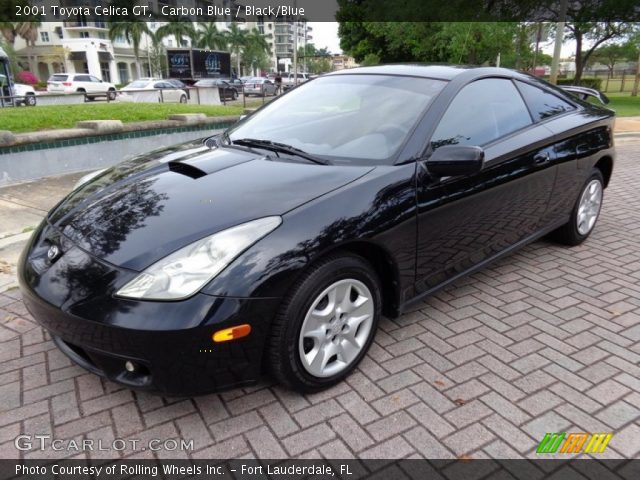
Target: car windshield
column 205, row 83
column 58, row 78
column 348, row 118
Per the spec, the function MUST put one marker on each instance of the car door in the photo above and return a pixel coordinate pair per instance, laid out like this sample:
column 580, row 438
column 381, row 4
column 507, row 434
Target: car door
column 269, row 88
column 83, row 82
column 557, row 114
column 464, row 221
column 97, row 85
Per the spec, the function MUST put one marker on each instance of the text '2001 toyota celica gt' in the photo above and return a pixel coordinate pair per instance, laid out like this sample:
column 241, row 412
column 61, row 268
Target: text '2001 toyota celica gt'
column 281, row 242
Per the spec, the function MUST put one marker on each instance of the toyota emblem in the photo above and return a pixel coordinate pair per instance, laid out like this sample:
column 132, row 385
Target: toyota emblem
column 53, row 252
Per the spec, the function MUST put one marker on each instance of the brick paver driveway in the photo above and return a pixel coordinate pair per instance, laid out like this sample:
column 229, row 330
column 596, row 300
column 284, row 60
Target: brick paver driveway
column 546, row 340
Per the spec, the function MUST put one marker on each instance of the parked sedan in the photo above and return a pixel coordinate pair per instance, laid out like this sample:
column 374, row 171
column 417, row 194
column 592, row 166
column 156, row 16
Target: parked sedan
column 225, row 89
column 260, row 87
column 166, row 92
column 284, row 239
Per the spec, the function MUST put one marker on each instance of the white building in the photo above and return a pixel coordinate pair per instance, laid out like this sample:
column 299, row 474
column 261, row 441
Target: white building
column 82, row 46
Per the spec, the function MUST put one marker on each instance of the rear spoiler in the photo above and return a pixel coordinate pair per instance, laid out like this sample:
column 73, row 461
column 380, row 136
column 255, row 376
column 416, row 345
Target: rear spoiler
column 583, row 93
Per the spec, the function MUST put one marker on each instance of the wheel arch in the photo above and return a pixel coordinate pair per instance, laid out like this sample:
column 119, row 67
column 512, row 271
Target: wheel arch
column 383, row 264
column 605, row 165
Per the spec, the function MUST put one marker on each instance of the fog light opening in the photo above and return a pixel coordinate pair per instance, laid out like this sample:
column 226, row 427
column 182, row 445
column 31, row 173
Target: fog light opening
column 129, row 366
column 231, row 333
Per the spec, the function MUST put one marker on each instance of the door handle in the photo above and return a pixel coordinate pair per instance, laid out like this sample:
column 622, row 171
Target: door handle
column 542, row 157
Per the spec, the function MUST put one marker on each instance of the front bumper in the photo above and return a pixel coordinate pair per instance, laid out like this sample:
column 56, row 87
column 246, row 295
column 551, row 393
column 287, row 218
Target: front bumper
column 169, row 343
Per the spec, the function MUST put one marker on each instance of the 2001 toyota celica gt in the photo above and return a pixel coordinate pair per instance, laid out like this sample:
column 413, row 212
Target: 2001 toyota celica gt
column 282, row 241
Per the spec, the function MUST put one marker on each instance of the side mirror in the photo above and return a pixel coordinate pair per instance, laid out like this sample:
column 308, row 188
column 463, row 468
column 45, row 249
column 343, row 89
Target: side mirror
column 455, row 160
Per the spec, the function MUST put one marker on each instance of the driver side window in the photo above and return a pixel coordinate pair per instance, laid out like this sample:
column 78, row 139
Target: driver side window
column 482, row 112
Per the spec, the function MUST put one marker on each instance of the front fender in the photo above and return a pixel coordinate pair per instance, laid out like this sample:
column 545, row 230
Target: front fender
column 378, row 208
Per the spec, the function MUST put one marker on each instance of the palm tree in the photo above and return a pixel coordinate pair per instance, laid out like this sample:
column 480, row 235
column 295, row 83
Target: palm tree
column 255, row 50
column 208, row 36
column 8, row 31
column 29, row 31
column 236, row 40
column 183, row 27
column 133, row 31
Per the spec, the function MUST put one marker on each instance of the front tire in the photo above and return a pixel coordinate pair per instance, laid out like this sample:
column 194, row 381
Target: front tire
column 183, row 99
column 326, row 324
column 30, row 100
column 111, row 95
column 585, row 212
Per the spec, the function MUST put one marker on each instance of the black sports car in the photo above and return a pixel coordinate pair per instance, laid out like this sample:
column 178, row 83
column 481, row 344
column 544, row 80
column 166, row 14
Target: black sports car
column 282, row 241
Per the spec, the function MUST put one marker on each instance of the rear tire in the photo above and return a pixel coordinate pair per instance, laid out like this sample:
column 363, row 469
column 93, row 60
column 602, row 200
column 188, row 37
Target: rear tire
column 585, row 212
column 326, row 324
column 30, row 100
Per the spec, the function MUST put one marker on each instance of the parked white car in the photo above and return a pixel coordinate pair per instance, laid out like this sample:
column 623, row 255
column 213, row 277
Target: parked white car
column 289, row 80
column 139, row 91
column 91, row 86
column 25, row 94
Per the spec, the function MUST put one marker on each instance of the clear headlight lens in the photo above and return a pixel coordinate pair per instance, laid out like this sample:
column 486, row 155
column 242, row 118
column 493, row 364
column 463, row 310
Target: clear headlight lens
column 187, row 270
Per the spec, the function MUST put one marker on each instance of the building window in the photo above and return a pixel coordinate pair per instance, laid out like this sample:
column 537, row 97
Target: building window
column 123, row 72
column 44, row 36
column 84, row 34
column 104, row 70
column 102, row 35
column 170, row 42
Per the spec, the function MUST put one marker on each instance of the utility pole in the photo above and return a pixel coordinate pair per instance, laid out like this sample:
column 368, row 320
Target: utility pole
column 553, row 78
column 295, row 44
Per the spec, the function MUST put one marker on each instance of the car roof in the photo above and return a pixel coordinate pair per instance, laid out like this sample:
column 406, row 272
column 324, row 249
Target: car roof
column 441, row 72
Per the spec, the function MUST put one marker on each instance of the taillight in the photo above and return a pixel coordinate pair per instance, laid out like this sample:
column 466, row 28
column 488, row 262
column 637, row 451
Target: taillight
column 67, row 84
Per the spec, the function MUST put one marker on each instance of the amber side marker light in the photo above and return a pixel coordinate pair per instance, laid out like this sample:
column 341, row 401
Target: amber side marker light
column 232, row 333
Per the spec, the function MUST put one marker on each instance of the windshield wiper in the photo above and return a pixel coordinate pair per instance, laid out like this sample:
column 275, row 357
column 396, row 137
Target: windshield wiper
column 279, row 148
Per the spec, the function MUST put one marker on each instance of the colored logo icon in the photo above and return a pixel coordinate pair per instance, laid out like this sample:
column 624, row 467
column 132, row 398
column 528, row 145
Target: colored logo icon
column 572, row 443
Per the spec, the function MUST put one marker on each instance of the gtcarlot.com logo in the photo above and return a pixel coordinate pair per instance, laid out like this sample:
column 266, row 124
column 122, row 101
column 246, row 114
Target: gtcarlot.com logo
column 47, row 442
column 581, row 442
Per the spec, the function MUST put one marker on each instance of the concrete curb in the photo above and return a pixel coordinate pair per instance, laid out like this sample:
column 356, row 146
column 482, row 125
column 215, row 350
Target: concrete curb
column 105, row 127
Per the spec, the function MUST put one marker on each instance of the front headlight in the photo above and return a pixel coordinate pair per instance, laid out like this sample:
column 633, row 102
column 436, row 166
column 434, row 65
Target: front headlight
column 187, row 270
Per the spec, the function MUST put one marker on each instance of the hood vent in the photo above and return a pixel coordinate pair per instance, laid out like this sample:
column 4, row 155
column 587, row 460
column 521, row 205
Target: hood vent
column 187, row 170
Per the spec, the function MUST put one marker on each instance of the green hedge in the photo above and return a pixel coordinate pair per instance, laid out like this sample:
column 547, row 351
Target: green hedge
column 585, row 82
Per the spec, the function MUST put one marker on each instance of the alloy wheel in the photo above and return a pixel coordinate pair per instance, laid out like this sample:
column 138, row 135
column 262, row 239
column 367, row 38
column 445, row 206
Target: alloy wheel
column 589, row 207
column 336, row 328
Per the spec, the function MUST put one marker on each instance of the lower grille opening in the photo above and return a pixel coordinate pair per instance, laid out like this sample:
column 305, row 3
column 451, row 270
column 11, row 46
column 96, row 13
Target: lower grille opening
column 80, row 352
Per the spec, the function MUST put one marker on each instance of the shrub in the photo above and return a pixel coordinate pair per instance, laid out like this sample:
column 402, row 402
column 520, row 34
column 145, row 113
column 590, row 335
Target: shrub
column 584, row 82
column 27, row 77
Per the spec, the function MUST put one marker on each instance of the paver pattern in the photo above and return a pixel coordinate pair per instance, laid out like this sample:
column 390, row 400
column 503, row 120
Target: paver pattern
column 545, row 340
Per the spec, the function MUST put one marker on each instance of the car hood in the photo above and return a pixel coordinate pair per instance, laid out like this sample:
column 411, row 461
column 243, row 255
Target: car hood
column 139, row 211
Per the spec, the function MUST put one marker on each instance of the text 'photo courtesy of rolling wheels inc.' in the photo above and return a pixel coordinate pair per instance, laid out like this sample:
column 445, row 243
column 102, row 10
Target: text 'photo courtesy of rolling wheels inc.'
column 293, row 239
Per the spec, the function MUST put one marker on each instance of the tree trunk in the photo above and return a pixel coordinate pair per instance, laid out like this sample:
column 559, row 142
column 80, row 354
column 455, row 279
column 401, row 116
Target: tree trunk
column 579, row 64
column 634, row 92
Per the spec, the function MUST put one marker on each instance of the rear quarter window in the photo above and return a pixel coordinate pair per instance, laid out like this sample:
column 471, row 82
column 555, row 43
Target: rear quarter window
column 541, row 103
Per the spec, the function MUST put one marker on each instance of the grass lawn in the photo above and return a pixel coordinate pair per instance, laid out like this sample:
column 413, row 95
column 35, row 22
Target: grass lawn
column 624, row 105
column 29, row 119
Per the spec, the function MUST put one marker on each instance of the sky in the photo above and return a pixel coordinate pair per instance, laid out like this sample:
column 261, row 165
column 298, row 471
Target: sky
column 325, row 34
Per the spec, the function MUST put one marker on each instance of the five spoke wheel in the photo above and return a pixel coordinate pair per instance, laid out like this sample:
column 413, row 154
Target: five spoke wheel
column 336, row 328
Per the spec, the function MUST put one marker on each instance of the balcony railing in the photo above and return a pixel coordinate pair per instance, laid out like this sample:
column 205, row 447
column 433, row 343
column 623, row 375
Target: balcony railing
column 85, row 24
